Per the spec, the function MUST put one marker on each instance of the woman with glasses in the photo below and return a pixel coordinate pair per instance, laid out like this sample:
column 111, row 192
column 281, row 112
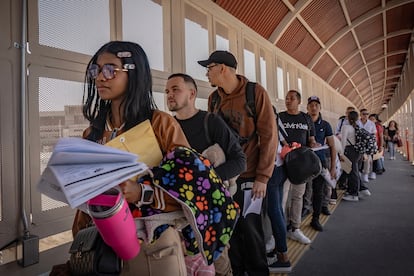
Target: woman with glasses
column 118, row 96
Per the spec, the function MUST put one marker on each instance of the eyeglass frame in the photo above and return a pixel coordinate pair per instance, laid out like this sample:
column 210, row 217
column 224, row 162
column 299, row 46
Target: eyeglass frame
column 208, row 67
column 109, row 69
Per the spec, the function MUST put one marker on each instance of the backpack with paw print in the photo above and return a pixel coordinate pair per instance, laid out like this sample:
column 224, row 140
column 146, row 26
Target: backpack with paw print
column 365, row 142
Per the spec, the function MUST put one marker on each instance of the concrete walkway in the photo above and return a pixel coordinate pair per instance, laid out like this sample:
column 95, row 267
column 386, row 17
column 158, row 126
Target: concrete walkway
column 374, row 236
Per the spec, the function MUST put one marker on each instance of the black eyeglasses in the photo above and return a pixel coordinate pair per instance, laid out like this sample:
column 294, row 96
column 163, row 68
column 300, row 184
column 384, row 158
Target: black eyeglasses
column 108, row 70
column 365, row 113
column 208, row 67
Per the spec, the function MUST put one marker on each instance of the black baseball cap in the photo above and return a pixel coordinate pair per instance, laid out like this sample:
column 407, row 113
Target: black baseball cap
column 314, row 99
column 220, row 57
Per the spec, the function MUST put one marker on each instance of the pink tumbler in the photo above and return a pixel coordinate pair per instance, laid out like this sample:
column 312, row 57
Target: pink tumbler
column 113, row 219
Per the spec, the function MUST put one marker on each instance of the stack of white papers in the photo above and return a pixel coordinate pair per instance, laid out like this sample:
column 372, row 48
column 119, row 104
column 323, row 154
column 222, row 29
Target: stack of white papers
column 79, row 170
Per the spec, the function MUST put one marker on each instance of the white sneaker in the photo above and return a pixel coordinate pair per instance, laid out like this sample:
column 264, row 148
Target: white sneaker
column 297, row 235
column 364, row 178
column 364, row 193
column 350, row 198
column 332, row 201
column 372, row 175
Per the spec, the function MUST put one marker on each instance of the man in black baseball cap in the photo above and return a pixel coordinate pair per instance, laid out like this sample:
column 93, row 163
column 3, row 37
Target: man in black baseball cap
column 220, row 57
column 231, row 100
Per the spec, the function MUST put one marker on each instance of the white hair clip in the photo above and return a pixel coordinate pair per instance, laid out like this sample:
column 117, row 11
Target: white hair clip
column 124, row 54
column 128, row 66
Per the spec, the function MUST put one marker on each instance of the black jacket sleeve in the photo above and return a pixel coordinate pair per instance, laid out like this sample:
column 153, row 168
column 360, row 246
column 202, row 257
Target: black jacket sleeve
column 221, row 134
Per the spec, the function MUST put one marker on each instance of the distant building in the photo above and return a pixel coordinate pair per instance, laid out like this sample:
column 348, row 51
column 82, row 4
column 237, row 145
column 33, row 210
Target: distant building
column 58, row 124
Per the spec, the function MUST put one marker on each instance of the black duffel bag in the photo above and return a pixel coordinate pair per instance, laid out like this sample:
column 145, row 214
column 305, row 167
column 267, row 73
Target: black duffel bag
column 302, row 165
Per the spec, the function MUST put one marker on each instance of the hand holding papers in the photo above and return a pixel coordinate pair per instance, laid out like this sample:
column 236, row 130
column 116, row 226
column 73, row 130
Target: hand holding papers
column 79, row 170
column 250, row 205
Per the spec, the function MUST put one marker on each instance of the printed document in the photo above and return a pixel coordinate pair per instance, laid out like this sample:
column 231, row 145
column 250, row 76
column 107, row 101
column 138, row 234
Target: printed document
column 250, row 205
column 79, row 170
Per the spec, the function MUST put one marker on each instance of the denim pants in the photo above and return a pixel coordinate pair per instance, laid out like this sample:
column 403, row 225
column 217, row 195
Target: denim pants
column 275, row 209
column 367, row 165
column 391, row 148
column 293, row 202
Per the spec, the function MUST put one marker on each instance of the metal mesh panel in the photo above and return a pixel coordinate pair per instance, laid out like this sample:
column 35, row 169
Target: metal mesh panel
column 60, row 113
column 83, row 33
column 139, row 13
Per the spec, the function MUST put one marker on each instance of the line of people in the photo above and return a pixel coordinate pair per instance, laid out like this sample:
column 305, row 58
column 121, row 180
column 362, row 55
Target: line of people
column 241, row 136
column 365, row 167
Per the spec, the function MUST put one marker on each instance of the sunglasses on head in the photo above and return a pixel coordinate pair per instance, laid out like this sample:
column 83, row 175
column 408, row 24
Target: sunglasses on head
column 108, row 70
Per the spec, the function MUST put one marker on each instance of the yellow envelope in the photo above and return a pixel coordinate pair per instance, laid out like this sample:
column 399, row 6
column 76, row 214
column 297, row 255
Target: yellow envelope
column 140, row 140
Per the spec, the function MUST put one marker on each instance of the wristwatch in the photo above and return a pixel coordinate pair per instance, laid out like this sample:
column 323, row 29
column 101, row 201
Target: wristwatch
column 147, row 195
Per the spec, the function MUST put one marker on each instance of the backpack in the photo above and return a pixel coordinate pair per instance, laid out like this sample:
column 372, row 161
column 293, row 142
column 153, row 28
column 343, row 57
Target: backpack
column 365, row 142
column 250, row 107
column 302, row 165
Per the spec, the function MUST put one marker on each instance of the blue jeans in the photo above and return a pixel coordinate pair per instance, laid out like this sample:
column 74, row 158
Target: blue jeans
column 391, row 147
column 275, row 209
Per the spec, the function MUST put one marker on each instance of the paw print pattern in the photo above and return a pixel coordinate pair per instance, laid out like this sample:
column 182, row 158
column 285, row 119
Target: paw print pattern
column 218, row 252
column 202, row 221
column 208, row 255
column 169, row 179
column 201, row 203
column 186, row 174
column 203, row 184
column 213, row 176
column 210, row 236
column 231, row 212
column 186, row 191
column 168, row 165
column 218, row 197
column 200, row 165
column 215, row 215
column 225, row 235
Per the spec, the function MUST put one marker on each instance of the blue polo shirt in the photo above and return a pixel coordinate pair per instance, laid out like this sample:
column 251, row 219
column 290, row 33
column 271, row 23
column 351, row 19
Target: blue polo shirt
column 322, row 130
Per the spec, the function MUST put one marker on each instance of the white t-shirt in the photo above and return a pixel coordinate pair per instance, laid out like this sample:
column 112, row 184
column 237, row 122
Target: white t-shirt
column 368, row 126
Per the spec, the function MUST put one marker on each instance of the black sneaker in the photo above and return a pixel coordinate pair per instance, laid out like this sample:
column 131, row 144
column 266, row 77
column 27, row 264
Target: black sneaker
column 325, row 211
column 316, row 225
column 280, row 267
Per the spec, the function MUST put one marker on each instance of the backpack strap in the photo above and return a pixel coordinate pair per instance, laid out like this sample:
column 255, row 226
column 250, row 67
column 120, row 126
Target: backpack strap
column 250, row 101
column 250, row 107
column 342, row 122
column 215, row 101
column 309, row 127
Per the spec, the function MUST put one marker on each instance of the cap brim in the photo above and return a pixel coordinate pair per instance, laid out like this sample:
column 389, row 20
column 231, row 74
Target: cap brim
column 314, row 101
column 204, row 63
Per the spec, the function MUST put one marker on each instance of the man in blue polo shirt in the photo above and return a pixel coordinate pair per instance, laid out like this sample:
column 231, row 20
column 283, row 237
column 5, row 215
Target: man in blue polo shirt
column 323, row 136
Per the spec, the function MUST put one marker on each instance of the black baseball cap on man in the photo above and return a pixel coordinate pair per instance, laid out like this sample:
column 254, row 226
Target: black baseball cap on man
column 220, row 57
column 314, row 99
